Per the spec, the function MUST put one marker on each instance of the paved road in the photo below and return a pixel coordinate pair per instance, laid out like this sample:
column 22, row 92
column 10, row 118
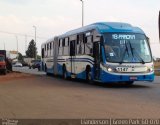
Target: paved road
column 27, row 70
column 51, row 97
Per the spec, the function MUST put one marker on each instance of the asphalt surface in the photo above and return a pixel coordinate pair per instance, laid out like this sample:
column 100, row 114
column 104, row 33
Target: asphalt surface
column 44, row 96
column 29, row 71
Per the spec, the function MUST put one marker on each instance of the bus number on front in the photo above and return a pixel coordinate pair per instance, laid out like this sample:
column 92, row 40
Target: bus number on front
column 122, row 69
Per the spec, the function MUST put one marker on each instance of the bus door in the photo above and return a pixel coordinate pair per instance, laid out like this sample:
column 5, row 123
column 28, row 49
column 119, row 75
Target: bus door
column 72, row 56
column 96, row 55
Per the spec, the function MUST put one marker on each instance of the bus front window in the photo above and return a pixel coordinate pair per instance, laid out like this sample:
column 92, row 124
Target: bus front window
column 127, row 48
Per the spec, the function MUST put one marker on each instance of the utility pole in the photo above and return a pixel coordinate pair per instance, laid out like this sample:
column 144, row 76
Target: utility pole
column 17, row 43
column 35, row 28
column 25, row 43
column 4, row 46
column 17, row 46
column 159, row 25
column 82, row 12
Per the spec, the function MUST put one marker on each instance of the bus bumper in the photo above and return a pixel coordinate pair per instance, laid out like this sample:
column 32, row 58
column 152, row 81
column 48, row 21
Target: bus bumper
column 106, row 77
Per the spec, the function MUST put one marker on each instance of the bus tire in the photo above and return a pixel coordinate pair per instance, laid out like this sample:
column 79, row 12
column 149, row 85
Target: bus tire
column 64, row 74
column 89, row 75
column 129, row 83
column 46, row 70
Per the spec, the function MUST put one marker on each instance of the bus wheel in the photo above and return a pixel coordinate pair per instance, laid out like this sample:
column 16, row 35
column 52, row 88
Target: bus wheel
column 64, row 75
column 129, row 83
column 89, row 76
column 46, row 71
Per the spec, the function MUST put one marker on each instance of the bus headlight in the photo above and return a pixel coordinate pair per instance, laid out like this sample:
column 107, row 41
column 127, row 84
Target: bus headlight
column 109, row 69
column 150, row 69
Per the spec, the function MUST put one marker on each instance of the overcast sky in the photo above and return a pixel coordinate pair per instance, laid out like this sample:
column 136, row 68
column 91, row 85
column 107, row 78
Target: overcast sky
column 54, row 17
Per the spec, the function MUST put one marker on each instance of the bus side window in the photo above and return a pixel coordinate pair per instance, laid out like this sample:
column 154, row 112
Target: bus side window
column 78, row 44
column 63, row 44
column 89, row 45
column 80, row 47
column 65, row 48
column 42, row 52
column 52, row 46
column 45, row 50
column 72, row 48
column 60, row 47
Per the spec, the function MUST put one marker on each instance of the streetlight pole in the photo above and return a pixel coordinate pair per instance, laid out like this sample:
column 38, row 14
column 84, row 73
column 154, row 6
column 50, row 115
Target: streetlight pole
column 17, row 46
column 82, row 12
column 4, row 46
column 17, row 42
column 35, row 40
column 159, row 25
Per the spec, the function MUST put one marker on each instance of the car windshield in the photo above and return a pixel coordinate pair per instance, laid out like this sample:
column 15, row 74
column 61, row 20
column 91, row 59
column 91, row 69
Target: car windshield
column 127, row 48
column 1, row 58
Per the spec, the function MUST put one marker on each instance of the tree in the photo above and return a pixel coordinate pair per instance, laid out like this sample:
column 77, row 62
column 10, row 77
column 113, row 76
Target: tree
column 20, row 57
column 32, row 49
column 39, row 57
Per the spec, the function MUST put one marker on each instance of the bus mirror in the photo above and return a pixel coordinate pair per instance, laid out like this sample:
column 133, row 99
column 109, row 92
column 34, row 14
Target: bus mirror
column 148, row 40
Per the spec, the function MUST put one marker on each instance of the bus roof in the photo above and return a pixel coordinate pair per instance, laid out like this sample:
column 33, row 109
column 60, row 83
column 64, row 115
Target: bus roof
column 104, row 27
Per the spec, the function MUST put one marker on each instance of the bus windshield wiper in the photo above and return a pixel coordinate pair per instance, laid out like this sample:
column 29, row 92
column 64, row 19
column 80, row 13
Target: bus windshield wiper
column 126, row 50
column 139, row 57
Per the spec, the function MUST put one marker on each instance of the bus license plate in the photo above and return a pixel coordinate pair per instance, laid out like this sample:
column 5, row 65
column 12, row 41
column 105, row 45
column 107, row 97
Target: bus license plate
column 133, row 78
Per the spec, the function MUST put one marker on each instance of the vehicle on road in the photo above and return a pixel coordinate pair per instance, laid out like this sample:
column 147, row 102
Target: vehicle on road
column 3, row 68
column 35, row 64
column 18, row 64
column 5, row 62
column 104, row 52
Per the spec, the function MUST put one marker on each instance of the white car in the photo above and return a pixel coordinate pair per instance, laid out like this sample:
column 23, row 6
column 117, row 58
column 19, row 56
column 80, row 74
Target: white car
column 17, row 64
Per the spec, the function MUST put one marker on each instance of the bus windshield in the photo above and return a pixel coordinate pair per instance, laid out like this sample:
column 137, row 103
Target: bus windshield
column 127, row 48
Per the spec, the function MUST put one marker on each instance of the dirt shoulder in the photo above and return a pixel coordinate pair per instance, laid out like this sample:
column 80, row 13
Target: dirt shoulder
column 14, row 76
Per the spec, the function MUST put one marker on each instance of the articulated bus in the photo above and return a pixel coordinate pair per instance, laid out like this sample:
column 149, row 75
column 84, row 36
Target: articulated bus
column 104, row 52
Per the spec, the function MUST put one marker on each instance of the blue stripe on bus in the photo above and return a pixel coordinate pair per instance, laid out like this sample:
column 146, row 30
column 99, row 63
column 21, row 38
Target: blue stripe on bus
column 81, row 58
column 82, row 61
column 78, row 60
column 60, row 59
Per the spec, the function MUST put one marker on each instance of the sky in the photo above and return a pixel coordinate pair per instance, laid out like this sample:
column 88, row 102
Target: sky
column 55, row 17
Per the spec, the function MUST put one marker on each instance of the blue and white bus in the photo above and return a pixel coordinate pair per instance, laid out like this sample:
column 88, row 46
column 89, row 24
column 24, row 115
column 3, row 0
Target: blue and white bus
column 104, row 52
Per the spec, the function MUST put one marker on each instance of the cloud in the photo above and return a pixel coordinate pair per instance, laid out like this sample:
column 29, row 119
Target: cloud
column 47, row 27
column 21, row 2
column 54, row 17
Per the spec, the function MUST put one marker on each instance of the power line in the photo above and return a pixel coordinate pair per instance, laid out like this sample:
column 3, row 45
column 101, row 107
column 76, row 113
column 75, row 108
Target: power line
column 19, row 34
